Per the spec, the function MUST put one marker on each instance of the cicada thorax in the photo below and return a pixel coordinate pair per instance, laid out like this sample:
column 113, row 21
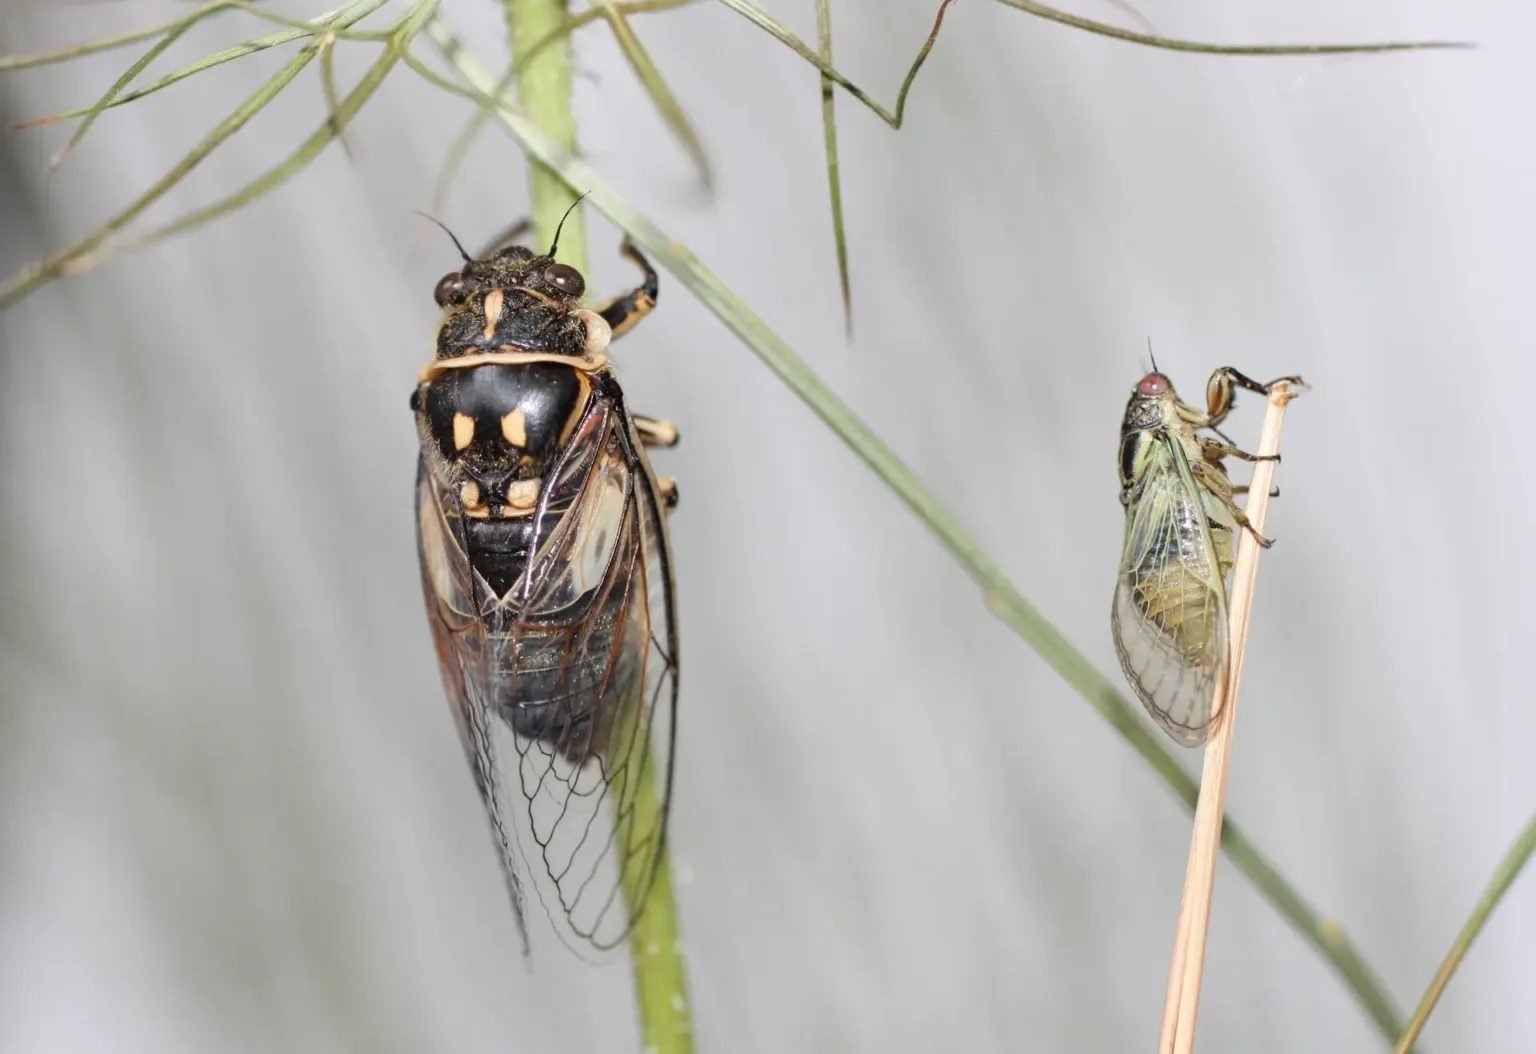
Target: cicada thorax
column 496, row 431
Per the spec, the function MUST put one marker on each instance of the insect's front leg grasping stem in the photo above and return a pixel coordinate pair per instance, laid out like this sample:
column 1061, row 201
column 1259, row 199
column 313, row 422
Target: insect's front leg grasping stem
column 1182, row 1003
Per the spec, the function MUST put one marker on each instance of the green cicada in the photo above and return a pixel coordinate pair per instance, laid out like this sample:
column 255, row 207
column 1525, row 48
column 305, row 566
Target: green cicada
column 1170, row 610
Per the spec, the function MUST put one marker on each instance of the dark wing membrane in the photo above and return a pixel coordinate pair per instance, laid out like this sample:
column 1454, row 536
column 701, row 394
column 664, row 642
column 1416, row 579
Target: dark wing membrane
column 591, row 647
column 1170, row 610
column 448, row 585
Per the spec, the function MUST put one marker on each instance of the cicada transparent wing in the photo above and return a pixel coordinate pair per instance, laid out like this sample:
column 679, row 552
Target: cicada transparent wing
column 459, row 636
column 579, row 659
column 1170, row 608
column 597, row 645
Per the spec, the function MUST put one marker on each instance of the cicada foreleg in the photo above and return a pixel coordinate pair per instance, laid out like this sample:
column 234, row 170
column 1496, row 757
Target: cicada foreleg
column 1220, row 391
column 623, row 312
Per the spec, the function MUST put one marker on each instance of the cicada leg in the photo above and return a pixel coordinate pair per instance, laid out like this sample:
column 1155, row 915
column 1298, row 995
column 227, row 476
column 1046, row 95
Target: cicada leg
column 1216, row 451
column 667, row 491
column 1242, row 521
column 623, row 312
column 1219, row 392
column 1210, row 475
column 1274, row 492
column 653, row 431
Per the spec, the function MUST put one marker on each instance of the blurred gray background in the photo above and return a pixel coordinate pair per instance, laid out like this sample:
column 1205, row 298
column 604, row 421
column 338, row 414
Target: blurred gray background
column 233, row 813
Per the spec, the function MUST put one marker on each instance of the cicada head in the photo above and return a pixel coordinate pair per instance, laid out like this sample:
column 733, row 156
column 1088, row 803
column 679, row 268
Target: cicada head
column 1151, row 404
column 514, row 297
column 515, row 267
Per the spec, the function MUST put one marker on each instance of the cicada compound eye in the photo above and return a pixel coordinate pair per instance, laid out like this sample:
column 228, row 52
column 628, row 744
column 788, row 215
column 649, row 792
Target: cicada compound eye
column 566, row 279
column 1152, row 384
column 451, row 289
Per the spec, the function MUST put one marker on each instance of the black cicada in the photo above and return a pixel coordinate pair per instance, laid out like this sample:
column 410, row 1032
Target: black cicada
column 548, row 578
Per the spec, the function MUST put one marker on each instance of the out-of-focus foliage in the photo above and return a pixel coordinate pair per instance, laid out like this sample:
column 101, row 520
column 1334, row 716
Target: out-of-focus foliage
column 212, row 561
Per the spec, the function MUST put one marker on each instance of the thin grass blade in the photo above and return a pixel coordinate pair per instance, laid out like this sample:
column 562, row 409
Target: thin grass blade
column 336, row 21
column 661, row 96
column 328, row 89
column 75, row 51
column 592, row 14
column 1104, row 29
column 75, row 257
column 128, row 77
column 345, row 110
column 834, row 178
column 464, row 142
column 1518, row 855
column 766, row 22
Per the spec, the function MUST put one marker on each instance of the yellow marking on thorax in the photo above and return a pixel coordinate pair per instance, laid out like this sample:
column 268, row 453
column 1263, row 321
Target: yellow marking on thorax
column 493, row 302
column 514, row 426
column 463, row 431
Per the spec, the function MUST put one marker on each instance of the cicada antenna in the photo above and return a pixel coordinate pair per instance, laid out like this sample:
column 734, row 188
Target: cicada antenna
column 559, row 226
column 444, row 226
column 1151, row 356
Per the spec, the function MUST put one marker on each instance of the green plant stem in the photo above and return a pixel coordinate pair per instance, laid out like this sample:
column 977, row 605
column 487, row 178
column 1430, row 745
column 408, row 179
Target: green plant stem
column 1508, row 870
column 1002, row 597
column 655, row 945
column 544, row 85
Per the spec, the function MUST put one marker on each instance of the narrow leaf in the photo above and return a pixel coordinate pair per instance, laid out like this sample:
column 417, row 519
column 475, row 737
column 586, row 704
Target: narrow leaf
column 458, row 152
column 75, row 51
column 763, row 20
column 333, row 128
column 76, row 257
column 1504, row 876
column 834, row 179
column 666, row 103
column 127, row 78
column 338, row 21
column 328, row 88
column 592, row 14
column 1104, row 29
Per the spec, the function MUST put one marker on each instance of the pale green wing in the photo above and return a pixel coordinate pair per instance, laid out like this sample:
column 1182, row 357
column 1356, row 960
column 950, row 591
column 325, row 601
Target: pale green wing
column 1170, row 610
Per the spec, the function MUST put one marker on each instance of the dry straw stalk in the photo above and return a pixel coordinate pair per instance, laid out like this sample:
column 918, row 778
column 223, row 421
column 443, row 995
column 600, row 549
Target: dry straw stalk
column 1182, row 1003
